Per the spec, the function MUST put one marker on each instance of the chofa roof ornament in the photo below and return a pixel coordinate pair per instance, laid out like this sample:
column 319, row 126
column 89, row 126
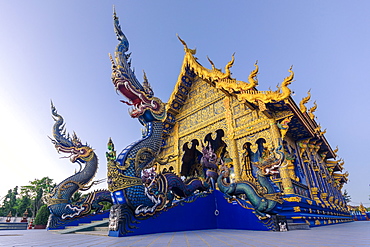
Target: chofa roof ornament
column 244, row 91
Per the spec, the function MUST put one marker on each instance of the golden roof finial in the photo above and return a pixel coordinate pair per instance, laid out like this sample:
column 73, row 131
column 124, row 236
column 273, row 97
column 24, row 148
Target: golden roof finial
column 336, row 151
column 228, row 66
column 252, row 78
column 341, row 162
column 322, row 132
column 284, row 86
column 304, row 101
column 212, row 64
column 312, row 110
column 282, row 93
column 191, row 51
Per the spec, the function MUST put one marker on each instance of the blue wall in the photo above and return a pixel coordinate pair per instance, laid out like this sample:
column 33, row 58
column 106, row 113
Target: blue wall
column 199, row 215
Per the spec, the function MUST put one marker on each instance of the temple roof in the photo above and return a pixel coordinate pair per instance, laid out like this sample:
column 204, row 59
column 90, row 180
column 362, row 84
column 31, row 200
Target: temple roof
column 302, row 125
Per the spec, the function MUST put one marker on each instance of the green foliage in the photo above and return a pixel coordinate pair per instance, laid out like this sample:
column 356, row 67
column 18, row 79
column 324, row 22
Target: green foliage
column 42, row 216
column 107, row 205
column 23, row 204
column 31, row 197
column 36, row 191
column 10, row 202
column 77, row 198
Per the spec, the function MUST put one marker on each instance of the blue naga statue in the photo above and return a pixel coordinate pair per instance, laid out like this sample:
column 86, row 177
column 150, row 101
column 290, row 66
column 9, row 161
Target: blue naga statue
column 264, row 199
column 59, row 200
column 132, row 198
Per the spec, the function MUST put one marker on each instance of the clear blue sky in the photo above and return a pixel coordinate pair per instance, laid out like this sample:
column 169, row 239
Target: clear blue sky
column 59, row 50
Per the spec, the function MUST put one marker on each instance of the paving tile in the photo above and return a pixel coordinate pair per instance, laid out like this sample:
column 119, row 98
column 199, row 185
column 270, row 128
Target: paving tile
column 347, row 234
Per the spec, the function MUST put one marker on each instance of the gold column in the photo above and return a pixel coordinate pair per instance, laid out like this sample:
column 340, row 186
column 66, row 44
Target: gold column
column 285, row 180
column 231, row 136
column 176, row 150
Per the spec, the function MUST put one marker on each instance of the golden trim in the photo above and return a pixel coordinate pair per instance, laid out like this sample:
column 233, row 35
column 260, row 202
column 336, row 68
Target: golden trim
column 53, row 201
column 125, row 182
column 297, row 209
column 293, row 199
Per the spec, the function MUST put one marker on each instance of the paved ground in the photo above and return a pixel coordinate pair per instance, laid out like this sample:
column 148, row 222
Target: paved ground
column 346, row 234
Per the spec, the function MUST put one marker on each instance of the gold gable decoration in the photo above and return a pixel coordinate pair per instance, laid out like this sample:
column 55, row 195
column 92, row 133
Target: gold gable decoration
column 244, row 91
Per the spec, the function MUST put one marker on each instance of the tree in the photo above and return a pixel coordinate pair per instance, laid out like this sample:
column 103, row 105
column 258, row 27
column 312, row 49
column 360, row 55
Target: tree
column 36, row 191
column 10, row 202
column 76, row 197
column 31, row 197
column 24, row 203
column 42, row 215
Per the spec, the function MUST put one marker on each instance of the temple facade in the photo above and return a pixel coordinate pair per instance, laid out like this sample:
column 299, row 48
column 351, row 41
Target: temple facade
column 219, row 154
column 209, row 108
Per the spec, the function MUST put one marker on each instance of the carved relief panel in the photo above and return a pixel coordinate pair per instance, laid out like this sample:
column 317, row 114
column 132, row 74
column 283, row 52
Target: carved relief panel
column 202, row 113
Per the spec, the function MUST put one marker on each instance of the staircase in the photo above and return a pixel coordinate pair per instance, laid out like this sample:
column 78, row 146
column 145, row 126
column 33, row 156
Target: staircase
column 94, row 228
column 297, row 226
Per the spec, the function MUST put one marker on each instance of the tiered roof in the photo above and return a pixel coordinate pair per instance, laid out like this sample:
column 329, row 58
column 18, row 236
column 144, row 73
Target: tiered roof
column 302, row 126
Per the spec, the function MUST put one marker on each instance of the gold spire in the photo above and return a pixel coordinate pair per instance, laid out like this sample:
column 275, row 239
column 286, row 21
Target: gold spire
column 304, row 101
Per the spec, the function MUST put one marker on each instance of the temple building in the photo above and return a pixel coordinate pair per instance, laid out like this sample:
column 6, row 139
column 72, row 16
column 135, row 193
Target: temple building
column 244, row 125
column 219, row 154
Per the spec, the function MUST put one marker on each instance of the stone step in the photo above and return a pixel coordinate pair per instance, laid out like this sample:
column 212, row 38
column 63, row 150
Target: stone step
column 85, row 227
column 84, row 224
column 95, row 233
column 101, row 228
column 13, row 226
column 298, row 226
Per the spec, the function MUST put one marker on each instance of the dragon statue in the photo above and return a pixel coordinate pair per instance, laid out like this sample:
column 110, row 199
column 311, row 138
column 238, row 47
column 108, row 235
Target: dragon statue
column 172, row 185
column 128, row 181
column 262, row 200
column 59, row 200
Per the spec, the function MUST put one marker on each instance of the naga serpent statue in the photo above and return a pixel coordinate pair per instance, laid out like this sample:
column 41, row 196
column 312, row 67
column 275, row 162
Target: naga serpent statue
column 59, row 200
column 262, row 201
column 172, row 185
column 132, row 196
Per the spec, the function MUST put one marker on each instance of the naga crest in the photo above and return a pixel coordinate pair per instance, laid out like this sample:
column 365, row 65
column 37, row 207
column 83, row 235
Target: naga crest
column 140, row 95
column 66, row 144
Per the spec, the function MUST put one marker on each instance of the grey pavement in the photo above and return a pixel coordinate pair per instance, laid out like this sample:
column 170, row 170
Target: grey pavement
column 346, row 234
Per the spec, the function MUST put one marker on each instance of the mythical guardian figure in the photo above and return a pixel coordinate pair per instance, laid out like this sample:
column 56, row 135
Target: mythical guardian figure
column 262, row 201
column 133, row 198
column 59, row 200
